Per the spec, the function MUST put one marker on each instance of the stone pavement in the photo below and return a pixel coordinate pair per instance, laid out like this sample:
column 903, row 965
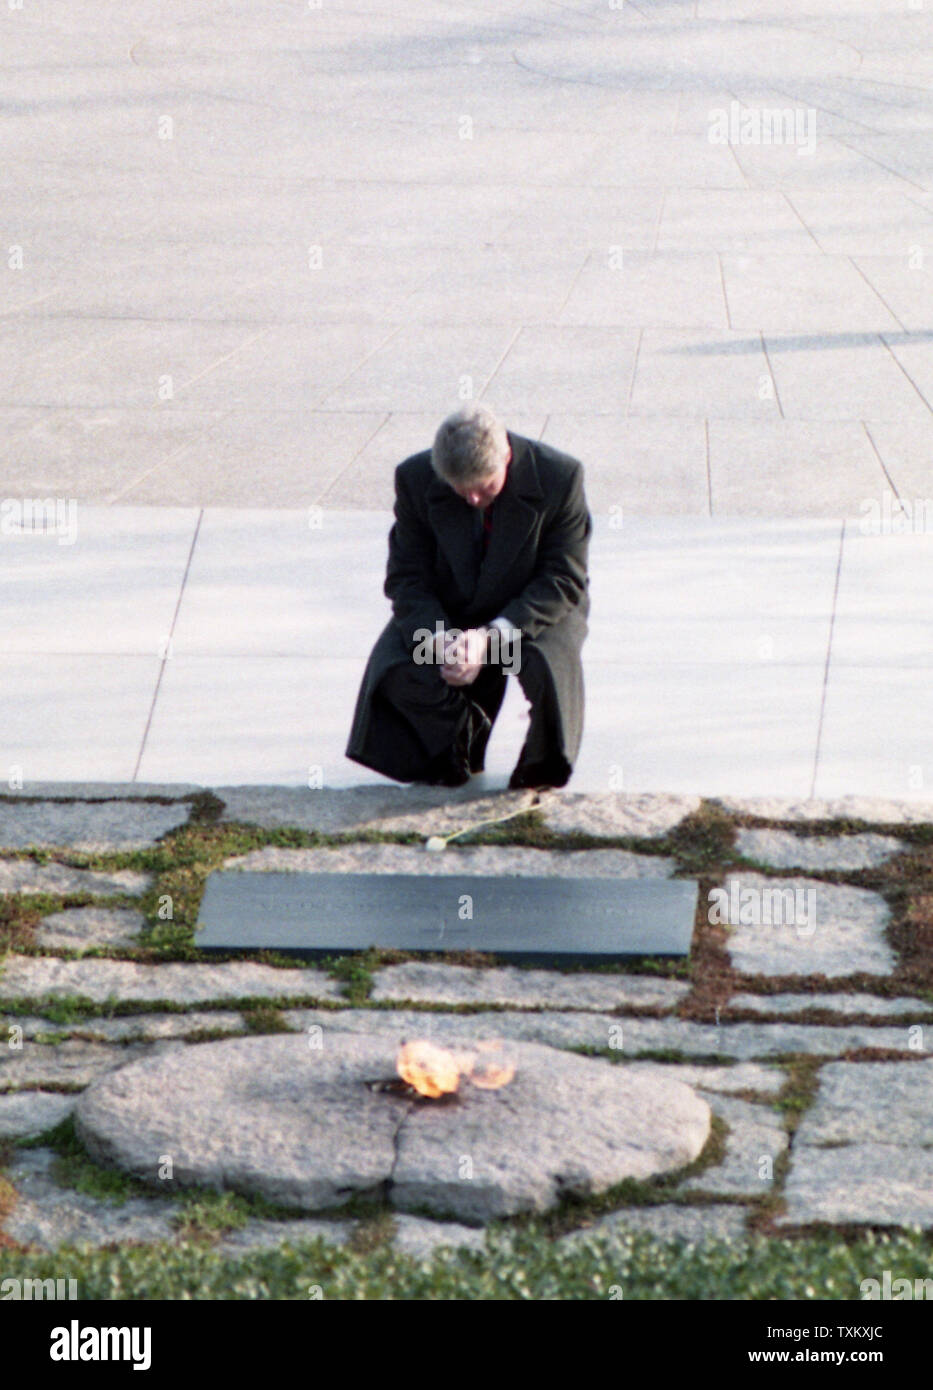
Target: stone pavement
column 253, row 253
column 808, row 1036
column 725, row 656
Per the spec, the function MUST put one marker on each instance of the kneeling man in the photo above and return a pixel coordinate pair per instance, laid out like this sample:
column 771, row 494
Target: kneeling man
column 487, row 576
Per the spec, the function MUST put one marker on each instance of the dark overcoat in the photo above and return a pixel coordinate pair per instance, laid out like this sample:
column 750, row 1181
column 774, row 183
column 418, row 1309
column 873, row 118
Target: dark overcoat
column 534, row 574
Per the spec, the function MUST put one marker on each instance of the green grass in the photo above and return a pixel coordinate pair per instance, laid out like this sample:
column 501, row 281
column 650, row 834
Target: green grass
column 265, row 1018
column 211, row 1214
column 703, row 840
column 201, row 1211
column 524, row 1265
column 73, row 1168
column 356, row 974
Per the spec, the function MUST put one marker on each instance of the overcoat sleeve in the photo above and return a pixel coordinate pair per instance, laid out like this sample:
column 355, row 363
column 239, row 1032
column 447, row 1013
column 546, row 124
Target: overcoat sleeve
column 408, row 582
column 560, row 579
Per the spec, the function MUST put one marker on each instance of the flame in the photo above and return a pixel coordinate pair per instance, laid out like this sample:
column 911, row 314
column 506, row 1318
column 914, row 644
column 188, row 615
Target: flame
column 432, row 1070
column 436, row 1071
column 491, row 1075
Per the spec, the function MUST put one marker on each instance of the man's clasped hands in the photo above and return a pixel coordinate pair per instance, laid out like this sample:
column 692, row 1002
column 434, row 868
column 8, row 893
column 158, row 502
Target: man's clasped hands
column 461, row 655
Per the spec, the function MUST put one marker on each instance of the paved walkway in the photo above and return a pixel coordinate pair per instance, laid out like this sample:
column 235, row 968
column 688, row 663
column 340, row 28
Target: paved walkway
column 782, row 658
column 252, row 254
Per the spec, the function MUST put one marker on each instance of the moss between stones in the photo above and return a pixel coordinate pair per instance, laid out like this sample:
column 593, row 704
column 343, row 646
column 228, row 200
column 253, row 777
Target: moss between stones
column 18, row 923
column 263, row 1019
column 203, row 1211
column 207, row 1215
column 355, row 973
column 795, row 1098
column 372, row 1233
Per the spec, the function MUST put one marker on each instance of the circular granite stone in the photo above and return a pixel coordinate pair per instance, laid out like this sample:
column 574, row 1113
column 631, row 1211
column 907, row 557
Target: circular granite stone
column 310, row 1127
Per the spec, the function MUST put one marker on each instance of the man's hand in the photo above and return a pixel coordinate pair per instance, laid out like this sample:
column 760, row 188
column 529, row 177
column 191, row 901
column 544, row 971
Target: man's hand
column 464, row 656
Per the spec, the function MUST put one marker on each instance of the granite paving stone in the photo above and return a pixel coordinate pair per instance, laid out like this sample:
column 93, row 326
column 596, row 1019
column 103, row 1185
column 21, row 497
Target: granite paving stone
column 26, row 876
column 863, row 1152
column 72, row 1063
column 801, row 926
column 112, row 591
column 646, row 816
column 272, row 1235
column 135, row 1027
column 86, row 928
column 667, row 1222
column 477, row 860
column 748, row 219
column 827, row 376
column 871, row 1103
column 426, row 982
column 800, row 294
column 47, row 1216
column 781, row 849
column 629, row 1036
column 677, row 374
column 420, row 1238
column 24, row 1114
column 881, row 1184
column 630, row 462
column 91, row 826
column 755, row 1136
column 390, row 808
column 754, row 469
column 882, row 584
column 724, row 1080
column 761, row 579
column 217, row 714
column 869, row 1005
column 37, row 977
column 705, row 741
column 88, row 791
column 57, row 726
column 905, row 450
column 875, row 810
column 875, row 723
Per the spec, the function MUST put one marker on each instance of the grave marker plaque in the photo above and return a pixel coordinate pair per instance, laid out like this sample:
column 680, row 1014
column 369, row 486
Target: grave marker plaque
column 543, row 921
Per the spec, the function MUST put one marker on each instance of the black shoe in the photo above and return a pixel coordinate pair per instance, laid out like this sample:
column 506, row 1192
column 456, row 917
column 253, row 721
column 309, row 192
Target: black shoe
column 445, row 773
column 540, row 776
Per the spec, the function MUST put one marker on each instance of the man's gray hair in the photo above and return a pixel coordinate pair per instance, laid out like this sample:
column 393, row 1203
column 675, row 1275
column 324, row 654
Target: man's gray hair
column 470, row 445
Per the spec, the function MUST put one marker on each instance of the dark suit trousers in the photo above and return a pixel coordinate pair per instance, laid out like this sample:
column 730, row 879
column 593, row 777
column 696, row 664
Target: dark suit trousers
column 435, row 712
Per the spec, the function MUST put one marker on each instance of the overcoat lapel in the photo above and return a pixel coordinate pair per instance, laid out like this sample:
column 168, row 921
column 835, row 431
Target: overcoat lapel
column 452, row 522
column 514, row 519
